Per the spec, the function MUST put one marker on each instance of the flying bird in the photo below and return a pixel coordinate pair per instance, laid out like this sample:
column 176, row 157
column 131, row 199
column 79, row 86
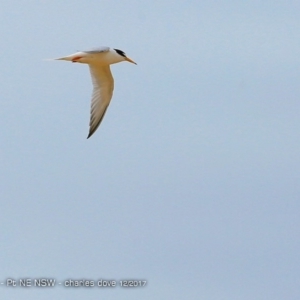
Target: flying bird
column 99, row 61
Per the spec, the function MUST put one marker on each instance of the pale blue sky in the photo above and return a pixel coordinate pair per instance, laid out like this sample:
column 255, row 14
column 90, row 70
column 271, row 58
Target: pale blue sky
column 192, row 180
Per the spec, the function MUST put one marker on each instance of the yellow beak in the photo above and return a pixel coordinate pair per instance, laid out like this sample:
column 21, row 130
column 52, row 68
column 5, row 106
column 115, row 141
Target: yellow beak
column 130, row 60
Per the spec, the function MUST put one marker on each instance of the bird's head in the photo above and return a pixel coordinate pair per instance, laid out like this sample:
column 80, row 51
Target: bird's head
column 123, row 56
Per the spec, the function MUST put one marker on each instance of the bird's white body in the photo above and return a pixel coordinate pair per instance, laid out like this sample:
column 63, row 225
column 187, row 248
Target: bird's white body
column 99, row 61
column 91, row 57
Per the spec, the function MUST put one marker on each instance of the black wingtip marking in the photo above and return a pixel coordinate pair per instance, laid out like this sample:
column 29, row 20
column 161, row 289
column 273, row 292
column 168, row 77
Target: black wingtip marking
column 92, row 130
column 91, row 133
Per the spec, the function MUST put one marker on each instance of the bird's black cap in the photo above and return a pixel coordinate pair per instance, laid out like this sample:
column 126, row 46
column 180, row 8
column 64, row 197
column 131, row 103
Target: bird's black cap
column 122, row 53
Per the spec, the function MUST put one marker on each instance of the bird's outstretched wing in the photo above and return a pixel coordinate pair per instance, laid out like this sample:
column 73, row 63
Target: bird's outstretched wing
column 97, row 50
column 103, row 84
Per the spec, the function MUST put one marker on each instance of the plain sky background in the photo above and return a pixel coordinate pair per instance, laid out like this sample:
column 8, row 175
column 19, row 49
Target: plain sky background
column 192, row 180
